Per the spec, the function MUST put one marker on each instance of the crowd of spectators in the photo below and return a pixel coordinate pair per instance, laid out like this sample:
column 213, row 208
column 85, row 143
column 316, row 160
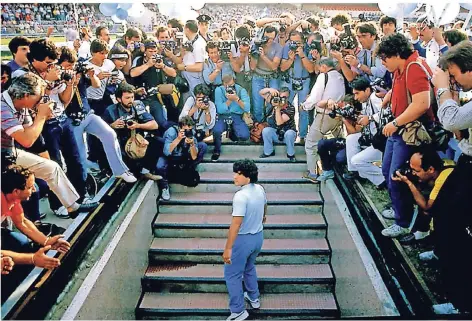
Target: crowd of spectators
column 354, row 92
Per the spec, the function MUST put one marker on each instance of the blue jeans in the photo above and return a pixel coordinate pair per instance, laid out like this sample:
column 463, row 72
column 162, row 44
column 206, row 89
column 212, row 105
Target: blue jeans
column 330, row 152
column 246, row 248
column 239, row 130
column 259, row 83
column 164, row 162
column 59, row 137
column 96, row 126
column 269, row 136
column 304, row 119
column 397, row 152
column 453, row 151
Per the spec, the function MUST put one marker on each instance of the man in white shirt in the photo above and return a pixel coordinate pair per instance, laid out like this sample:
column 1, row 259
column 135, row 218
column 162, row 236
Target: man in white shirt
column 423, row 40
column 329, row 87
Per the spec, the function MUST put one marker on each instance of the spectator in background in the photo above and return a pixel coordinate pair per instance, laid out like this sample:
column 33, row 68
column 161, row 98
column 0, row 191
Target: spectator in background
column 338, row 21
column 423, row 40
column 388, row 25
column 19, row 48
column 103, row 33
column 6, row 77
column 454, row 36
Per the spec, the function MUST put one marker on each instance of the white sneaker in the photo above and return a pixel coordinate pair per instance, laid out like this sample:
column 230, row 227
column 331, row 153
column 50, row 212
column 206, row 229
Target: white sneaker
column 255, row 304
column 395, row 231
column 420, row 235
column 428, row 256
column 445, row 308
column 128, row 177
column 238, row 316
column 388, row 213
column 165, row 194
column 61, row 212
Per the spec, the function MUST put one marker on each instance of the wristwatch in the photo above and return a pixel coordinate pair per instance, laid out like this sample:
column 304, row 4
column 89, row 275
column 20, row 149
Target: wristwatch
column 395, row 123
column 359, row 65
column 441, row 91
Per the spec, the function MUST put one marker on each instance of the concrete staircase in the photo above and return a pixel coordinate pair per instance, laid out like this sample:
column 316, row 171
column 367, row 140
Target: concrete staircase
column 185, row 280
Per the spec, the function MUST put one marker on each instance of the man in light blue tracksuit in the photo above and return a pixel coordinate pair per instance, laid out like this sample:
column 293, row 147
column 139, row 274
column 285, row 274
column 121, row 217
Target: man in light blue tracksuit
column 245, row 238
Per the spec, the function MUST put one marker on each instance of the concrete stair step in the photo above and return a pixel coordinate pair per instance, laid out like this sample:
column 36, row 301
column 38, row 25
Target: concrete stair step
column 217, row 225
column 227, row 209
column 264, row 177
column 209, row 278
column 210, row 250
column 279, row 149
column 263, row 167
column 225, row 198
column 215, row 306
column 231, row 157
column 225, row 187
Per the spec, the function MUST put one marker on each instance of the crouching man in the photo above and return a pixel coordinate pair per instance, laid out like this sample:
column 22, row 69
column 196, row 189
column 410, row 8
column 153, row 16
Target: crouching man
column 182, row 151
column 245, row 238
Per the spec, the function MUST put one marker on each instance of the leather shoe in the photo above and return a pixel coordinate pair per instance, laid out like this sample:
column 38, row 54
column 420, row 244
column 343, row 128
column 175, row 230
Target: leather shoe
column 83, row 208
column 265, row 156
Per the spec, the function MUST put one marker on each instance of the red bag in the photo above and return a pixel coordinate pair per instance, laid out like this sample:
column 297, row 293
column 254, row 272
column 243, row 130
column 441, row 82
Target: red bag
column 256, row 131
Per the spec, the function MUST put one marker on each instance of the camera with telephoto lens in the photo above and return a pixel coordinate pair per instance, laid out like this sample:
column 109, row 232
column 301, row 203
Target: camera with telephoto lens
column 379, row 85
column 346, row 40
column 292, row 45
column 224, row 48
column 275, row 100
column 158, row 58
column 168, row 44
column 257, row 44
column 205, row 100
column 82, row 67
column 231, row 90
column 188, row 46
column 405, row 170
column 348, row 112
column 228, row 121
column 281, row 134
column 199, row 132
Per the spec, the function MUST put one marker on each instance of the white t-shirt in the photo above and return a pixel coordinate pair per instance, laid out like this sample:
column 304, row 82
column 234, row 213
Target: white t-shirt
column 97, row 93
column 84, row 50
column 191, row 58
column 199, row 116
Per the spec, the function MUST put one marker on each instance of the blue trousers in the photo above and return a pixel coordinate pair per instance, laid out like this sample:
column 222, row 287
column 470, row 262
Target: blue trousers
column 259, row 83
column 269, row 136
column 397, row 152
column 246, row 248
column 330, row 152
column 239, row 129
column 303, row 115
column 31, row 206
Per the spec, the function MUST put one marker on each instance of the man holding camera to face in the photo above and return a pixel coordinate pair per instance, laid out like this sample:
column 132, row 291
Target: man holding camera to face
column 202, row 110
column 281, row 122
column 214, row 67
column 231, row 102
column 128, row 115
column 182, row 150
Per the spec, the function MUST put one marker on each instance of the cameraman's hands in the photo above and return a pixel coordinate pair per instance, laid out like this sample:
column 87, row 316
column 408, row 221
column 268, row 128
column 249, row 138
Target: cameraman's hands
column 261, row 52
column 151, row 62
column 189, row 141
column 181, row 135
column 336, row 55
column 400, row 178
column 300, row 52
column 351, row 60
column 53, row 73
column 363, row 120
column 141, row 91
column 117, row 124
column 440, row 78
column 159, row 65
column 45, row 110
column 291, row 55
column 331, row 104
column 389, row 129
column 232, row 97
column 168, row 53
column 316, row 55
column 413, row 32
column 134, row 126
column 219, row 65
column 104, row 74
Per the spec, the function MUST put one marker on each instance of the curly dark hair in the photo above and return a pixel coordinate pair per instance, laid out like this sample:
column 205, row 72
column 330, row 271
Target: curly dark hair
column 40, row 49
column 247, row 168
column 387, row 19
column 340, row 19
column 360, row 83
column 460, row 55
column 395, row 45
column 455, row 36
column 68, row 55
column 14, row 177
column 202, row 89
column 186, row 121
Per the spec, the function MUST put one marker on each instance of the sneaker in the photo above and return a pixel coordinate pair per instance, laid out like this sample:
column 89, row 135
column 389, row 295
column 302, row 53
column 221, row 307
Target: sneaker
column 265, row 156
column 255, row 304
column 428, row 256
column 381, row 186
column 84, row 208
column 165, row 194
column 445, row 308
column 61, row 212
column 152, row 177
column 292, row 158
column 215, row 157
column 350, row 175
column 42, row 215
column 311, row 177
column 238, row 316
column 395, row 231
column 127, row 177
column 302, row 141
column 421, row 235
column 326, row 175
column 388, row 213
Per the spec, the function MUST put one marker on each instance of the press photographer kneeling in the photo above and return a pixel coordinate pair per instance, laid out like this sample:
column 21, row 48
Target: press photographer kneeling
column 281, row 122
column 130, row 119
column 182, row 154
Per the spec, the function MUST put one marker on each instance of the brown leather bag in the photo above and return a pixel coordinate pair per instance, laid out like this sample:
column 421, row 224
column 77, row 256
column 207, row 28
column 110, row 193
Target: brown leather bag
column 136, row 146
column 256, row 131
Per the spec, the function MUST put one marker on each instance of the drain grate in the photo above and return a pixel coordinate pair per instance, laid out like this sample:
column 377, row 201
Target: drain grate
column 170, row 267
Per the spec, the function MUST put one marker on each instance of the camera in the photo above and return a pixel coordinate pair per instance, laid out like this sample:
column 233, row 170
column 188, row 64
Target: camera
column 245, row 42
column 188, row 46
column 314, row 45
column 225, row 48
column 365, row 140
column 379, row 85
column 247, row 76
column 406, row 170
column 82, row 67
column 348, row 112
column 275, row 100
column 283, row 27
column 257, row 44
column 158, row 58
column 292, row 45
column 281, row 134
column 340, row 143
column 199, row 133
column 228, row 121
column 297, row 85
column 188, row 133
column 231, row 90
column 346, row 40
column 129, row 122
column 47, row 100
column 137, row 45
column 205, row 100
column 66, row 76
column 168, row 44
column 77, row 117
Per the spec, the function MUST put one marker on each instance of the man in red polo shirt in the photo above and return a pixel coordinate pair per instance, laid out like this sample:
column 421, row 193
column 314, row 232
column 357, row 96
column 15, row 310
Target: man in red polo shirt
column 410, row 100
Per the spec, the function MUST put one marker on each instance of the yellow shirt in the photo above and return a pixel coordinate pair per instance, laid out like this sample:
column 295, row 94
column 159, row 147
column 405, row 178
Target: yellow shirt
column 438, row 184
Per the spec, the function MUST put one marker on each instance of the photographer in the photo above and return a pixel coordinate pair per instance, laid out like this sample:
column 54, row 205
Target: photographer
column 85, row 121
column 192, row 57
column 131, row 41
column 240, row 63
column 328, row 89
column 359, row 150
column 298, row 64
column 83, row 49
column 397, row 55
column 19, row 48
column 17, row 126
column 266, row 55
column 347, row 45
column 281, row 121
column 451, row 218
column 214, row 68
column 150, row 71
column 182, row 149
column 203, row 25
column 202, row 110
column 128, row 115
column 231, row 102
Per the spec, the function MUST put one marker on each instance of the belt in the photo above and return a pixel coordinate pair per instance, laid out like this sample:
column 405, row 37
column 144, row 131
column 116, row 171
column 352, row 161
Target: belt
column 303, row 78
column 266, row 76
column 322, row 110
